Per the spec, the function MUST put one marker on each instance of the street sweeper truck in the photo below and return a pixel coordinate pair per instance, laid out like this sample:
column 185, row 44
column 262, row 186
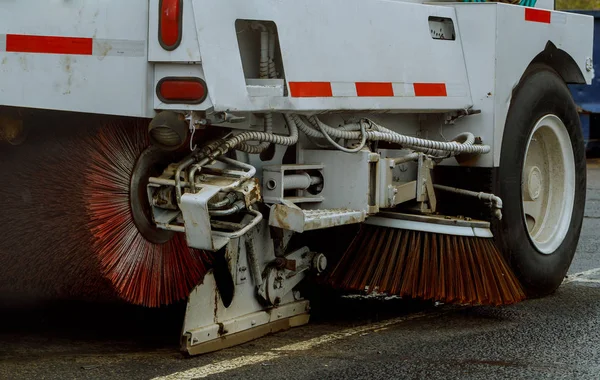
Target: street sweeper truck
column 226, row 153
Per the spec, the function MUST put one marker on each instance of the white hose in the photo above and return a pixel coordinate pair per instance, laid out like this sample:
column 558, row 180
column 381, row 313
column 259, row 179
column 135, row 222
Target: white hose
column 264, row 53
column 259, row 148
column 267, row 51
column 363, row 140
column 383, row 134
column 260, row 136
column 272, row 68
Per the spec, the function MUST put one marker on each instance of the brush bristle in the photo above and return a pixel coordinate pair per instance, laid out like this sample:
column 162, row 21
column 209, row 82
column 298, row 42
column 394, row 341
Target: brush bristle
column 427, row 266
column 142, row 272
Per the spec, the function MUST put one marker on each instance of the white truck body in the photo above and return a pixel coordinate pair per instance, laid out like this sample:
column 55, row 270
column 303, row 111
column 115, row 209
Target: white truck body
column 343, row 55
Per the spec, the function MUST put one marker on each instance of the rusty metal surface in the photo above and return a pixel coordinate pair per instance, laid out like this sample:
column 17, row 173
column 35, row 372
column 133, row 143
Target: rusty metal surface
column 298, row 220
column 251, row 190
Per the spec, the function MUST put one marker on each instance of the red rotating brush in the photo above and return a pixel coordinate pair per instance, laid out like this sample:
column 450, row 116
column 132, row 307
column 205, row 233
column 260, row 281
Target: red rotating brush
column 77, row 223
column 428, row 266
column 146, row 266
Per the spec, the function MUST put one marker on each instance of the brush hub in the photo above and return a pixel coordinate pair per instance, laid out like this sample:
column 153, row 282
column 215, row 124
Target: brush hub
column 150, row 163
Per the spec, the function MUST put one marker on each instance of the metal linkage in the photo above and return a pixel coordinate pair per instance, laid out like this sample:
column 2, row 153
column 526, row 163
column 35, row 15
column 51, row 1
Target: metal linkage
column 184, row 201
column 492, row 199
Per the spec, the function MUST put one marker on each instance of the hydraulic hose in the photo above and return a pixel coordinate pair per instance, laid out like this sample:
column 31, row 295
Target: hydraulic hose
column 267, row 70
column 260, row 136
column 237, row 207
column 259, row 148
column 382, row 134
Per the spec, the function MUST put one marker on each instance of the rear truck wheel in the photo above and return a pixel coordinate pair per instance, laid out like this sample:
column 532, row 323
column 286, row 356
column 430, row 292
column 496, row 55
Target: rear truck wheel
column 542, row 182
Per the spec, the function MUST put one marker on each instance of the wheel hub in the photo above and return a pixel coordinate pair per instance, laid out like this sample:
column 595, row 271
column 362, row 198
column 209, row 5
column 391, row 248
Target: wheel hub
column 534, row 183
column 548, row 178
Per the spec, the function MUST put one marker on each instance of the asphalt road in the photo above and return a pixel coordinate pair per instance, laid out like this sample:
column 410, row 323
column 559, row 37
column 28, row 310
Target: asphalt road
column 556, row 337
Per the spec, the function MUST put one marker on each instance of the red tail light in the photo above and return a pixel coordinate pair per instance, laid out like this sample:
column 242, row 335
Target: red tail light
column 181, row 90
column 170, row 22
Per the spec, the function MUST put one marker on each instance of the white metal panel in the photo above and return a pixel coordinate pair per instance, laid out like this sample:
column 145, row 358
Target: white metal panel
column 570, row 32
column 342, row 41
column 477, row 24
column 346, row 186
column 187, row 51
column 499, row 44
column 106, row 82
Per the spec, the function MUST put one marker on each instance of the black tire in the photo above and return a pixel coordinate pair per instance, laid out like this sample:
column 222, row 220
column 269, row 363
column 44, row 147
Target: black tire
column 541, row 92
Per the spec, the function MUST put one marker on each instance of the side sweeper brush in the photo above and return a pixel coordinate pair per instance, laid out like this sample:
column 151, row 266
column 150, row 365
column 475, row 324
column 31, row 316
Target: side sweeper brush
column 78, row 225
column 147, row 266
column 429, row 258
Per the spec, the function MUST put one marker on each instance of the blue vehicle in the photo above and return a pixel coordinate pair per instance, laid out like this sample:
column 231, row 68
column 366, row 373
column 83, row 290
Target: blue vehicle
column 587, row 98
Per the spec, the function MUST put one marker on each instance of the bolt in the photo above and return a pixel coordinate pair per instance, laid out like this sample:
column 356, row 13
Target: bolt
column 320, row 262
column 253, row 322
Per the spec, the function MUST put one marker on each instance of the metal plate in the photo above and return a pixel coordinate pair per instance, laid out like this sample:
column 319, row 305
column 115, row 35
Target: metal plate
column 436, row 224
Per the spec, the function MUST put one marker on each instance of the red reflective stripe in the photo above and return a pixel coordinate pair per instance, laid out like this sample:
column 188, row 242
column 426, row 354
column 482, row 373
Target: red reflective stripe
column 374, row 89
column 538, row 15
column 19, row 43
column 170, row 14
column 430, row 89
column 310, row 89
column 182, row 90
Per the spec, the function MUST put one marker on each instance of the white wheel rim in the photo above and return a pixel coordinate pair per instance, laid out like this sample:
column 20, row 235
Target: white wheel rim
column 548, row 184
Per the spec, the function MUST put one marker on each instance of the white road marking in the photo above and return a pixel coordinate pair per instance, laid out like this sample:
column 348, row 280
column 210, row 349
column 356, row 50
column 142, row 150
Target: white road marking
column 242, row 361
column 582, row 276
column 220, row 367
column 308, row 344
column 586, row 280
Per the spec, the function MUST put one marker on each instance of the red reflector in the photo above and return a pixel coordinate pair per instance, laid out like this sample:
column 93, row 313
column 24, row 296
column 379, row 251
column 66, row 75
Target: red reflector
column 430, row 89
column 310, row 89
column 374, row 89
column 19, row 43
column 538, row 15
column 181, row 90
column 170, row 23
